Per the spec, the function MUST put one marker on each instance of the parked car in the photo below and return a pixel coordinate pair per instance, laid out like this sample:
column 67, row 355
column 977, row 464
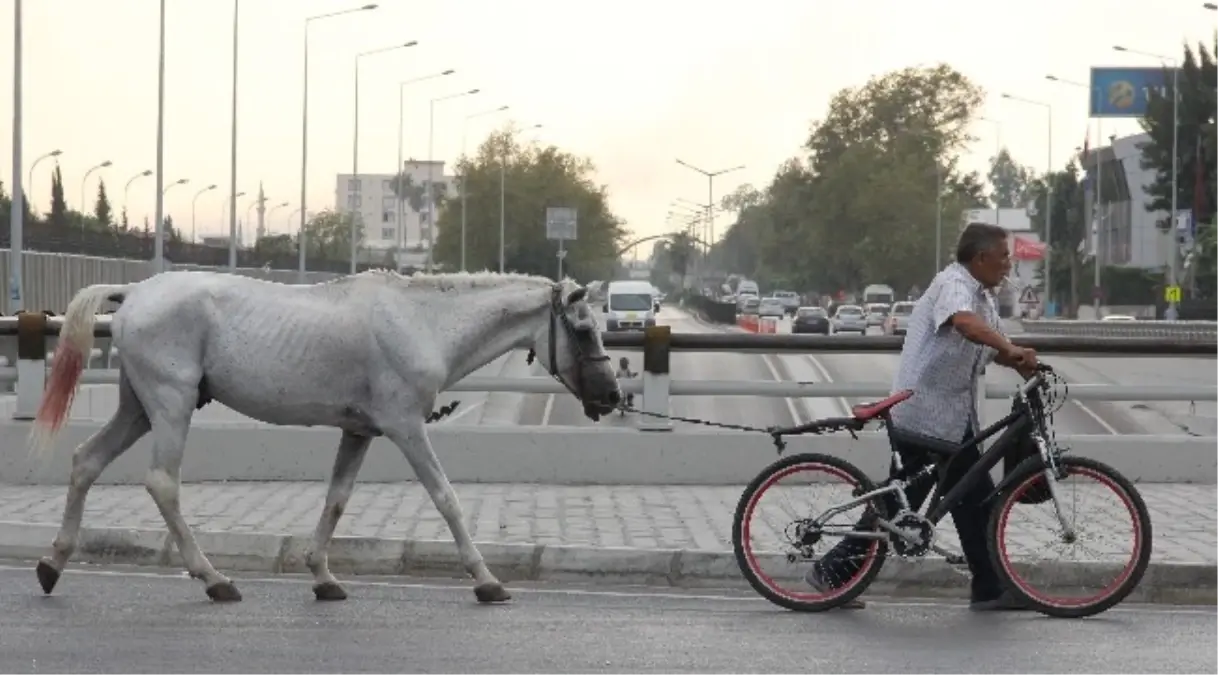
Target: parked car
column 789, row 300
column 876, row 313
column 771, row 307
column 849, row 319
column 811, row 320
column 898, row 318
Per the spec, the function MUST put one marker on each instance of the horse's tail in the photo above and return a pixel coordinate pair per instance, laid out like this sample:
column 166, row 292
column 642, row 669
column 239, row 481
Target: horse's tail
column 73, row 350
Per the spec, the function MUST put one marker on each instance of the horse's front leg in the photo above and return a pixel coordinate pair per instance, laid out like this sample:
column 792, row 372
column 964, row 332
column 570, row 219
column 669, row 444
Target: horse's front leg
column 351, row 452
column 411, row 439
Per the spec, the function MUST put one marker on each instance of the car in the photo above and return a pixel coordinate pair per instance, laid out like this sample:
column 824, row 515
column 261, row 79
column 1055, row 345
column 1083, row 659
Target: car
column 789, row 299
column 771, row 307
column 849, row 319
column 811, row 320
column 898, row 318
column 749, row 305
column 1118, row 317
column 876, row 313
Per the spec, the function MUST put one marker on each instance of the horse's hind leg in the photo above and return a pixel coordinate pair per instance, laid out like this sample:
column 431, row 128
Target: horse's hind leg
column 126, row 426
column 411, row 438
column 351, row 452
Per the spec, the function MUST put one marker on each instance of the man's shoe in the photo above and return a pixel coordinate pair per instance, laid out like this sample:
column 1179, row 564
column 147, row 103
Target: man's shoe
column 1003, row 603
column 814, row 580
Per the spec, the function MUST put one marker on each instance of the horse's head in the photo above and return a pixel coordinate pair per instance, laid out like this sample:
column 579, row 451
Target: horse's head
column 569, row 346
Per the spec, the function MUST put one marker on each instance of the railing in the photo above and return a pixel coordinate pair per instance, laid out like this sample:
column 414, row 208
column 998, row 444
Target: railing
column 1202, row 331
column 36, row 334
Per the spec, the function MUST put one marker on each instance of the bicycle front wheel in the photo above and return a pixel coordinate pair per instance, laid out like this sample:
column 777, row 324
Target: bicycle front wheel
column 778, row 529
column 1096, row 502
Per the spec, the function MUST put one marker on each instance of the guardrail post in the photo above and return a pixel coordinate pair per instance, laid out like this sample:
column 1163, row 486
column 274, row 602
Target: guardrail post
column 31, row 363
column 657, row 346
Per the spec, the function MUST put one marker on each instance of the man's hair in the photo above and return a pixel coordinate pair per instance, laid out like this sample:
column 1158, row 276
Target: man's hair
column 976, row 239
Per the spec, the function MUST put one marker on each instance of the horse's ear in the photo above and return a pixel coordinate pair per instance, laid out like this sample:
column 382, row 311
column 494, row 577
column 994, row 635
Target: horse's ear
column 577, row 295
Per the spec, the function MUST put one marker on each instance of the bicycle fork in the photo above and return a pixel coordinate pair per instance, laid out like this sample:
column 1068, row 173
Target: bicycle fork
column 1050, row 460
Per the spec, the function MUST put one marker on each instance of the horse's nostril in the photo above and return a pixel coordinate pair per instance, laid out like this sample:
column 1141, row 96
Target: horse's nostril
column 615, row 397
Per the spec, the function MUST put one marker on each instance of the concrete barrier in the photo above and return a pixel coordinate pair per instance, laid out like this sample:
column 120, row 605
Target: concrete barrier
column 561, row 456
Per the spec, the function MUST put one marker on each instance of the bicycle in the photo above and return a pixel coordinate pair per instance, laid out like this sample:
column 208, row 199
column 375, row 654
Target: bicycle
column 1037, row 479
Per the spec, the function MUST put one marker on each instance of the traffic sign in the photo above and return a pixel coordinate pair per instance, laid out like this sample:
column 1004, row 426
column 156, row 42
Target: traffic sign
column 1172, row 294
column 561, row 223
column 1029, row 297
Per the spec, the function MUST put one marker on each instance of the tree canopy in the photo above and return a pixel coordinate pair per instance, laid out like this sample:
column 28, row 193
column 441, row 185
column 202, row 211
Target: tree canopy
column 534, row 178
column 860, row 207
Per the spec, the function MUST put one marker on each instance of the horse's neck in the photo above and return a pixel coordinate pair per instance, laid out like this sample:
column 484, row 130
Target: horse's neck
column 501, row 320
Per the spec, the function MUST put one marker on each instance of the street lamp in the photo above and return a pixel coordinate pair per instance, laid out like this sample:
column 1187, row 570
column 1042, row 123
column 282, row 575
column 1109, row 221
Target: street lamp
column 710, row 194
column 30, row 179
column 1048, row 267
column 464, row 133
column 180, row 181
column 127, row 187
column 1097, row 204
column 503, row 200
column 397, row 173
column 1174, row 243
column 431, row 162
column 158, row 250
column 232, row 151
column 193, row 201
column 231, row 202
column 83, row 183
column 291, row 217
column 17, row 209
column 272, row 212
column 304, row 128
column 358, row 214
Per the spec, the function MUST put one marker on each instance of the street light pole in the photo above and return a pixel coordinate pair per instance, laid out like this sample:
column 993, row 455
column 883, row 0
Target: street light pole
column 710, row 194
column 232, row 155
column 158, row 254
column 17, row 205
column 127, row 187
column 304, row 133
column 83, row 192
column 397, row 173
column 30, row 178
column 464, row 192
column 431, row 164
column 1048, row 194
column 194, row 201
column 231, row 201
column 357, row 216
column 1173, row 248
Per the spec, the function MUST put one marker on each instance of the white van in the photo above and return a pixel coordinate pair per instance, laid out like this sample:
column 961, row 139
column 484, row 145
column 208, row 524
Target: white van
column 629, row 305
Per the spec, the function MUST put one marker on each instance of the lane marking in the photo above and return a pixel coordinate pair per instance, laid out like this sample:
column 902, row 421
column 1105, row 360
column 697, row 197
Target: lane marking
column 792, row 408
column 1095, row 416
column 744, row 597
column 545, row 413
column 453, row 418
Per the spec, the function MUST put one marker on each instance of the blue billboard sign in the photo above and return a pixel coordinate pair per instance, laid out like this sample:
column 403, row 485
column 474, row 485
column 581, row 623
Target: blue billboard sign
column 1123, row 91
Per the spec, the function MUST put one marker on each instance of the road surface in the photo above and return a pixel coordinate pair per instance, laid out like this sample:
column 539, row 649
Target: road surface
column 125, row 621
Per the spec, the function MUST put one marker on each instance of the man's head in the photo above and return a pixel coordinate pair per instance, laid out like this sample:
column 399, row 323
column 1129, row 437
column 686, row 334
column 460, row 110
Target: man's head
column 984, row 250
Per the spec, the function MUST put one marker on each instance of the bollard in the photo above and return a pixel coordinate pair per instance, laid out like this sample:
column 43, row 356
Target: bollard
column 657, row 348
column 31, row 363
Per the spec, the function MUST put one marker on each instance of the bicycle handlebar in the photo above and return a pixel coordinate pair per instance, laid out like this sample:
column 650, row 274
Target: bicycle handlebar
column 1036, row 380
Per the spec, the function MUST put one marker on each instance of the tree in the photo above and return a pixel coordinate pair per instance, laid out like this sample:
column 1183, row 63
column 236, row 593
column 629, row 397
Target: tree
column 328, row 235
column 124, row 226
column 1069, row 230
column 1009, row 181
column 102, row 210
column 59, row 207
column 535, row 178
column 275, row 246
column 862, row 207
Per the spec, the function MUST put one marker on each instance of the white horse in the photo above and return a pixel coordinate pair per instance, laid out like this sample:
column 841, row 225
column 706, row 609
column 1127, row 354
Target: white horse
column 366, row 353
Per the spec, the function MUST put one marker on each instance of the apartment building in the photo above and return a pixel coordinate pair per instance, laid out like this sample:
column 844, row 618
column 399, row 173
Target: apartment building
column 372, row 197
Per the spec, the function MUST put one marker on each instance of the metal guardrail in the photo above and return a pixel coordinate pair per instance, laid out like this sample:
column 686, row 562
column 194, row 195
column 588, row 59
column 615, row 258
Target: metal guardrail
column 1201, row 331
column 35, row 338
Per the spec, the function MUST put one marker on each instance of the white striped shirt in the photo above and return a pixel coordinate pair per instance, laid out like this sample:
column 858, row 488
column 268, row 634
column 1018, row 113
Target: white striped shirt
column 939, row 364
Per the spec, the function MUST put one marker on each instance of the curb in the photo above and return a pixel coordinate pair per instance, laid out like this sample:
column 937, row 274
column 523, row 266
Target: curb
column 1166, row 583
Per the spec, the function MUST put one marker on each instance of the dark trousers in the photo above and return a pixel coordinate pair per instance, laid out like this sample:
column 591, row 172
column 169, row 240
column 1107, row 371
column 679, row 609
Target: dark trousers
column 971, row 517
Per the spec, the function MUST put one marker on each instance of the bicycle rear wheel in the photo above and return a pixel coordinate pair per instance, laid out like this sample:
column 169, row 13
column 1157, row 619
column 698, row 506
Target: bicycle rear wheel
column 1069, row 591
column 777, row 570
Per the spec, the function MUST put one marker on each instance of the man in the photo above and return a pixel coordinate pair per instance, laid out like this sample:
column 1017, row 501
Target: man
column 953, row 333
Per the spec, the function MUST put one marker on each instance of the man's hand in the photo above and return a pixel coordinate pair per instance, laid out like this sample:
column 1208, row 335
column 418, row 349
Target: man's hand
column 1022, row 359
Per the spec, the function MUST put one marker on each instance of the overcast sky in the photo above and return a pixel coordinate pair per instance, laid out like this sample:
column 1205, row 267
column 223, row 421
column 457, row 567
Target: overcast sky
column 630, row 84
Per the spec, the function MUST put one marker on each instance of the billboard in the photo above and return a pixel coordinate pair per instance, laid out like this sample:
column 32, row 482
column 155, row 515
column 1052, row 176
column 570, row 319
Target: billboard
column 1122, row 91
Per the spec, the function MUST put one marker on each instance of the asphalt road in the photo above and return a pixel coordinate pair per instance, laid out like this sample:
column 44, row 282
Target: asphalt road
column 115, row 621
column 565, row 410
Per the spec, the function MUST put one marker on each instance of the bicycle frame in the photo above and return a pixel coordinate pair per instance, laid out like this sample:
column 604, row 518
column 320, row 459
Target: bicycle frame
column 1027, row 416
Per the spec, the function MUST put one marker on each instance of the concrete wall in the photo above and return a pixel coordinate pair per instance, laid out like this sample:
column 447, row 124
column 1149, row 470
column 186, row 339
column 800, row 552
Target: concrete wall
column 597, row 456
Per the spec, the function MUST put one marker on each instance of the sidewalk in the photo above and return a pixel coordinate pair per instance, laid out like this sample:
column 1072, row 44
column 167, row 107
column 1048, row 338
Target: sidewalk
column 667, row 534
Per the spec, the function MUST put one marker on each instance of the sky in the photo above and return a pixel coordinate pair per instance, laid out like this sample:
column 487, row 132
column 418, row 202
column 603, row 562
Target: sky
column 633, row 85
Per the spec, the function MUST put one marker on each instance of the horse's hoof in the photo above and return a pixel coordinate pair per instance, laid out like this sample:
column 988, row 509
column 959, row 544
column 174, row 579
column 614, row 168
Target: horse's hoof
column 492, row 592
column 47, row 576
column 224, row 591
column 329, row 590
